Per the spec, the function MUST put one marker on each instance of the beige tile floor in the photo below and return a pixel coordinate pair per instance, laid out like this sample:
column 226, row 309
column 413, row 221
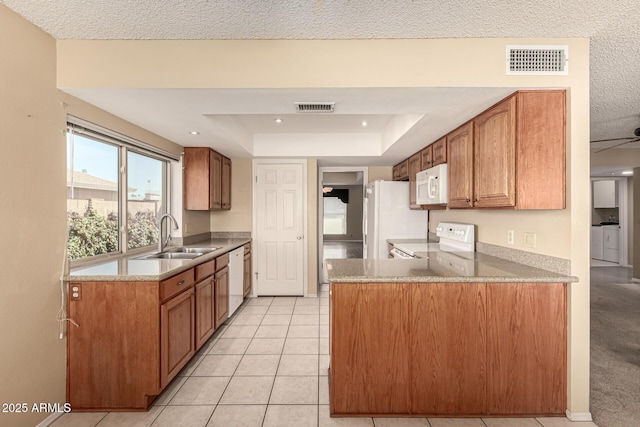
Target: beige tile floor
column 268, row 366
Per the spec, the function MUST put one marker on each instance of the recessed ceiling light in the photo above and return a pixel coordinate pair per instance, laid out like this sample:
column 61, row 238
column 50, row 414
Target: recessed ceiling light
column 194, row 132
column 364, row 123
column 278, row 120
column 627, row 172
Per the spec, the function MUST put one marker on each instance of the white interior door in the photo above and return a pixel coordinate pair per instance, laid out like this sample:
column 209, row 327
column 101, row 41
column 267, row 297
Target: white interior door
column 279, row 234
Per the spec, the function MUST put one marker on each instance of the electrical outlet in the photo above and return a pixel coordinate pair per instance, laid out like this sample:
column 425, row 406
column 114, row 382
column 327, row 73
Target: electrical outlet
column 75, row 290
column 187, row 226
column 530, row 240
column 511, row 237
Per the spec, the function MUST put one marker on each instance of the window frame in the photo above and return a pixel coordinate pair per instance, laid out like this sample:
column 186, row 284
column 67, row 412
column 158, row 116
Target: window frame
column 124, row 145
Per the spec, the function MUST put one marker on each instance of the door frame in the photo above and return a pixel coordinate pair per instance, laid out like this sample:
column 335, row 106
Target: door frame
column 305, row 248
column 321, row 171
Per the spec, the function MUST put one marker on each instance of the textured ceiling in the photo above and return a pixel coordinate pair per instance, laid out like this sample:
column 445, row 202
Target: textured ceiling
column 612, row 26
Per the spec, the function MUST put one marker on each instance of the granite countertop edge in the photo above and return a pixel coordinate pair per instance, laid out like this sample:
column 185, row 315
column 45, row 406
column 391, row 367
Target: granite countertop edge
column 453, row 279
column 176, row 266
column 421, row 269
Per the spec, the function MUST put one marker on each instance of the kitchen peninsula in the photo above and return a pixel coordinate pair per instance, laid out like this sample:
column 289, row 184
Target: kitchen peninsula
column 419, row 337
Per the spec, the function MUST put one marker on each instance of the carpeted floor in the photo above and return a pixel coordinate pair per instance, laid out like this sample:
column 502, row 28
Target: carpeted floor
column 615, row 347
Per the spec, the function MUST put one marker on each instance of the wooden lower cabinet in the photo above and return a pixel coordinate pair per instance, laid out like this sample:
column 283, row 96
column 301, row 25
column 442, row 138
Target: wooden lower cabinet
column 449, row 349
column 205, row 313
column 176, row 335
column 526, row 337
column 222, row 295
column 370, row 348
column 110, row 363
column 135, row 337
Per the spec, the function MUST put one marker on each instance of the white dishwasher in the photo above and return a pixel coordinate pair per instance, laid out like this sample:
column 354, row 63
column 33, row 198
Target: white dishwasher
column 236, row 276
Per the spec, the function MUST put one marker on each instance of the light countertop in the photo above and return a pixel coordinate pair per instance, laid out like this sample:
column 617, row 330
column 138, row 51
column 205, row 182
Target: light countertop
column 439, row 266
column 133, row 269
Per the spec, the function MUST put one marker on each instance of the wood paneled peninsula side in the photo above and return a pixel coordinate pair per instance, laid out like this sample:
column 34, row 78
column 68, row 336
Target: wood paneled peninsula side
column 433, row 337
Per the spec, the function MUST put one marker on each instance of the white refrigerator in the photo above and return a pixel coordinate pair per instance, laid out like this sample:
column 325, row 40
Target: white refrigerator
column 387, row 216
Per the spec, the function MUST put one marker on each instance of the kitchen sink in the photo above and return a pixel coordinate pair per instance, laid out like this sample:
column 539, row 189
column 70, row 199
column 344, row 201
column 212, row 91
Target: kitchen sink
column 172, row 255
column 179, row 253
column 191, row 250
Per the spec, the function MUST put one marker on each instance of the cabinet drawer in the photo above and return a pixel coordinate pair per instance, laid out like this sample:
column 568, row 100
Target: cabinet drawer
column 176, row 284
column 247, row 248
column 222, row 261
column 205, row 269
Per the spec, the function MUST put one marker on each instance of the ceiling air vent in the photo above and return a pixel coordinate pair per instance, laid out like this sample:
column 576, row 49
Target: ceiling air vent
column 315, row 107
column 537, row 60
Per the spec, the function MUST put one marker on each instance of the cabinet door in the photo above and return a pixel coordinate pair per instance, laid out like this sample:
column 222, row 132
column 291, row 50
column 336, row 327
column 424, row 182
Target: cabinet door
column 426, row 157
column 197, row 178
column 460, row 150
column 225, row 183
column 604, row 194
column 414, row 168
column 215, row 187
column 222, row 296
column 494, row 133
column 439, row 152
column 597, row 243
column 247, row 274
column 526, row 348
column 177, row 340
column 401, row 171
column 448, row 347
column 370, row 350
column 205, row 319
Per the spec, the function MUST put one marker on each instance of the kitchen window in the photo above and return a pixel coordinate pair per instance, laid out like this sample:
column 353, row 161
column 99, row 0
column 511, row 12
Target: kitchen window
column 117, row 190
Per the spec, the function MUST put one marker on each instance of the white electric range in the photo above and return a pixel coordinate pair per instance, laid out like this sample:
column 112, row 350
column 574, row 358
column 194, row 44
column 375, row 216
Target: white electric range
column 454, row 237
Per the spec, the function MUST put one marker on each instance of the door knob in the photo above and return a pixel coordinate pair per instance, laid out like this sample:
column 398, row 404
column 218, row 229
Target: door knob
column 299, row 238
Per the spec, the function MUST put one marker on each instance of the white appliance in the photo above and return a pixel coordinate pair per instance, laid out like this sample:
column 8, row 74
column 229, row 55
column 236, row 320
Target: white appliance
column 236, row 276
column 387, row 216
column 431, row 186
column 454, row 237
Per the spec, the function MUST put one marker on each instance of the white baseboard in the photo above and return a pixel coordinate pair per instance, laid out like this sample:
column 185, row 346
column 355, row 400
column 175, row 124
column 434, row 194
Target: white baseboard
column 50, row 419
column 579, row 416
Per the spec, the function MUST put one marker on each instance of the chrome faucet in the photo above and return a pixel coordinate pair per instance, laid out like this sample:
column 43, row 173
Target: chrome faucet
column 162, row 244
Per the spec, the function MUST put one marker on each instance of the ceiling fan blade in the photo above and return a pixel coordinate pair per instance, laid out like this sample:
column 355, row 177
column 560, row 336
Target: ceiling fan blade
column 610, row 139
column 617, row 145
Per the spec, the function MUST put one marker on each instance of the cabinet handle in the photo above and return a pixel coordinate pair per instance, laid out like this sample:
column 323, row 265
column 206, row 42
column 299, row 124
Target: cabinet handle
column 468, row 200
column 181, row 282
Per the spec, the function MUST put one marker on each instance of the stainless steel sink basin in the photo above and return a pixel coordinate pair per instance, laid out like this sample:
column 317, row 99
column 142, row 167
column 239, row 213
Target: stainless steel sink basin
column 173, row 255
column 192, row 250
column 179, row 253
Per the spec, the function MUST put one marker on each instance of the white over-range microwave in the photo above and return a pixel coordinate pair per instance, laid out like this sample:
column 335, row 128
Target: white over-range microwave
column 431, row 186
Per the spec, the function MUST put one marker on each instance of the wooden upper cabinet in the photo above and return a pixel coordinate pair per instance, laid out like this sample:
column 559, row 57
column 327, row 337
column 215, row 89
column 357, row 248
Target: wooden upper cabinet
column 207, row 179
column 225, row 183
column 460, row 151
column 541, row 150
column 414, row 167
column 401, row 171
column 215, row 187
column 426, row 157
column 518, row 155
column 494, row 134
column 439, row 149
